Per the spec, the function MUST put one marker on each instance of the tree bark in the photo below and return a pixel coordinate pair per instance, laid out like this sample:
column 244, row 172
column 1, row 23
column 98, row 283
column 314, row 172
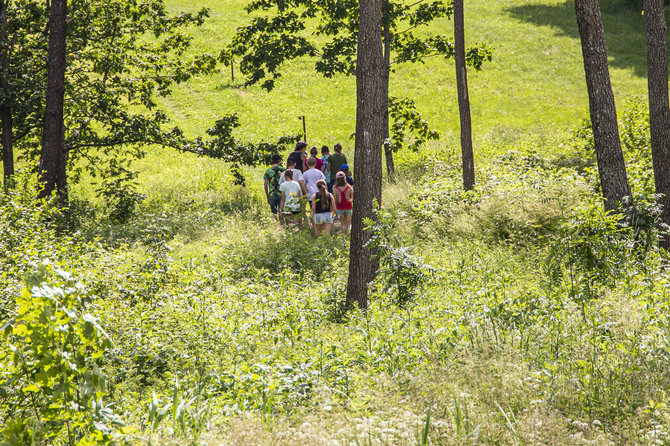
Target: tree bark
column 611, row 165
column 370, row 109
column 5, row 105
column 388, row 152
column 53, row 157
column 659, row 106
column 463, row 98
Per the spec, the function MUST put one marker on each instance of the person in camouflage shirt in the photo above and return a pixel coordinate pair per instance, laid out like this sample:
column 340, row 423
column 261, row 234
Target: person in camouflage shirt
column 271, row 184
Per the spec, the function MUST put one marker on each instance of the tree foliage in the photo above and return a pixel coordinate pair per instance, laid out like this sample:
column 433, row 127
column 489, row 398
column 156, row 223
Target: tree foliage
column 121, row 56
column 54, row 350
column 409, row 128
column 224, row 145
column 289, row 29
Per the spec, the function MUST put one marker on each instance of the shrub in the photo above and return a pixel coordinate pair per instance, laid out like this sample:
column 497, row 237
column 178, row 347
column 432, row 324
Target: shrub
column 53, row 387
column 31, row 229
column 402, row 274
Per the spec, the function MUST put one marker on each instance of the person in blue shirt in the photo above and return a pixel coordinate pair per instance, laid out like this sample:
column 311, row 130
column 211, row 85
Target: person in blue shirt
column 347, row 174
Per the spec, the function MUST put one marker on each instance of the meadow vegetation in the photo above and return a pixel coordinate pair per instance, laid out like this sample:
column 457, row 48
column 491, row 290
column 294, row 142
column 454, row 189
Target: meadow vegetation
column 517, row 313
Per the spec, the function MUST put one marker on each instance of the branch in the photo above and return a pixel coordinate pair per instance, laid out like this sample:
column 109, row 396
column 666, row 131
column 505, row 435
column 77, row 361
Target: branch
column 95, row 109
column 19, row 136
column 417, row 59
column 133, row 141
column 414, row 4
column 410, row 28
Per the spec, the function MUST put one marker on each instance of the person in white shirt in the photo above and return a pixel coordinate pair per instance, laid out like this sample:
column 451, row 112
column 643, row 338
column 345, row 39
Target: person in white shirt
column 311, row 176
column 297, row 176
column 290, row 205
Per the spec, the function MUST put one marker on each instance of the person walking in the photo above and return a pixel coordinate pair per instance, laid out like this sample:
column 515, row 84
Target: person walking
column 298, row 156
column 325, row 153
column 335, row 161
column 344, row 198
column 271, row 184
column 297, row 176
column 314, row 152
column 323, row 209
column 347, row 174
column 311, row 176
column 289, row 206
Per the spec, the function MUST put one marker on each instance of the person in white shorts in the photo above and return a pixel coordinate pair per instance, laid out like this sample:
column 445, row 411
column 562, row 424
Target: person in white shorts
column 289, row 207
column 323, row 209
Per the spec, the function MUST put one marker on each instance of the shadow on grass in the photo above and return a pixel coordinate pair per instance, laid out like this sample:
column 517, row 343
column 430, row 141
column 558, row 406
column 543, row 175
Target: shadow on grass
column 624, row 31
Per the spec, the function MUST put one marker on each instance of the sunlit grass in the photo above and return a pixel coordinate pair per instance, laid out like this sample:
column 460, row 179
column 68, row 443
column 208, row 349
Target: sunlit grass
column 533, row 91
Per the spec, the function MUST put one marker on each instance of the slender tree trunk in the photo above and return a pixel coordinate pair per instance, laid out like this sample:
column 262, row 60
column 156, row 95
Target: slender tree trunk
column 53, row 158
column 388, row 153
column 659, row 107
column 611, row 165
column 463, row 98
column 5, row 105
column 368, row 151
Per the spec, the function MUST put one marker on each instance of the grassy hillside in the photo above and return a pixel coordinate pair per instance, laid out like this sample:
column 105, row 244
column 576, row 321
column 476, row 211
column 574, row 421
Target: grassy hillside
column 519, row 313
column 533, row 90
column 534, row 86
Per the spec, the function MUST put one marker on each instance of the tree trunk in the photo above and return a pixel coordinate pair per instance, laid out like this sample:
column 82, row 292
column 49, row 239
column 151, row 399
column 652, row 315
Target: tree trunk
column 368, row 150
column 388, row 153
column 5, row 105
column 463, row 98
column 53, row 157
column 659, row 107
column 611, row 165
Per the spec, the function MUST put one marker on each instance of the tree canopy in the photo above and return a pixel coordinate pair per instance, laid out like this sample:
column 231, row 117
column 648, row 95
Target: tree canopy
column 327, row 30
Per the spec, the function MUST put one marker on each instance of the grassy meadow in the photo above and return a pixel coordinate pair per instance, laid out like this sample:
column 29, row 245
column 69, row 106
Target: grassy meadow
column 516, row 314
column 533, row 90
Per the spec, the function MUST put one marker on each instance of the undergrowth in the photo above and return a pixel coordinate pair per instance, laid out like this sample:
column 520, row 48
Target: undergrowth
column 517, row 313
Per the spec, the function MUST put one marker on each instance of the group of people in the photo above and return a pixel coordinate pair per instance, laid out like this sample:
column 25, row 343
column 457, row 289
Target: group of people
column 324, row 182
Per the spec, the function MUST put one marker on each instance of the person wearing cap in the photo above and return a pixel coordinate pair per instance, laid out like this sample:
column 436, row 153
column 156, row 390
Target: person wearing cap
column 344, row 197
column 271, row 184
column 347, row 174
column 335, row 161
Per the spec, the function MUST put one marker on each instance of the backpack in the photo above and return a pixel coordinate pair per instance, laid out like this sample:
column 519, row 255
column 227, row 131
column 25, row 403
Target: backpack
column 274, row 180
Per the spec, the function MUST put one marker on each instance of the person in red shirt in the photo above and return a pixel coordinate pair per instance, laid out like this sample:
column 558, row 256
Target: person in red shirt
column 314, row 151
column 344, row 198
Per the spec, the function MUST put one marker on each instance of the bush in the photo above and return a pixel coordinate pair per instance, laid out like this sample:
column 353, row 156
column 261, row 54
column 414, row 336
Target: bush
column 402, row 274
column 31, row 229
column 519, row 200
column 53, row 387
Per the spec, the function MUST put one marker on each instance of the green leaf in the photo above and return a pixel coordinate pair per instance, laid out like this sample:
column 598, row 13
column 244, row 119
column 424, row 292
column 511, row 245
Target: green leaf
column 31, row 388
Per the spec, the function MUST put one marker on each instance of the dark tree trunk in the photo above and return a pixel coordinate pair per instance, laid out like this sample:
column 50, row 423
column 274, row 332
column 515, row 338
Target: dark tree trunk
column 53, row 158
column 659, row 111
column 370, row 102
column 463, row 98
column 5, row 105
column 388, row 153
column 611, row 165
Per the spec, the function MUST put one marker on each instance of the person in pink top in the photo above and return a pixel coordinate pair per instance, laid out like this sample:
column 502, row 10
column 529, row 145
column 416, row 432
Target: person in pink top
column 344, row 198
column 314, row 151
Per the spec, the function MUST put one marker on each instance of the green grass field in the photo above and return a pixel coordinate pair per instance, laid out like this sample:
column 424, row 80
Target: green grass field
column 532, row 92
column 530, row 317
column 534, row 86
